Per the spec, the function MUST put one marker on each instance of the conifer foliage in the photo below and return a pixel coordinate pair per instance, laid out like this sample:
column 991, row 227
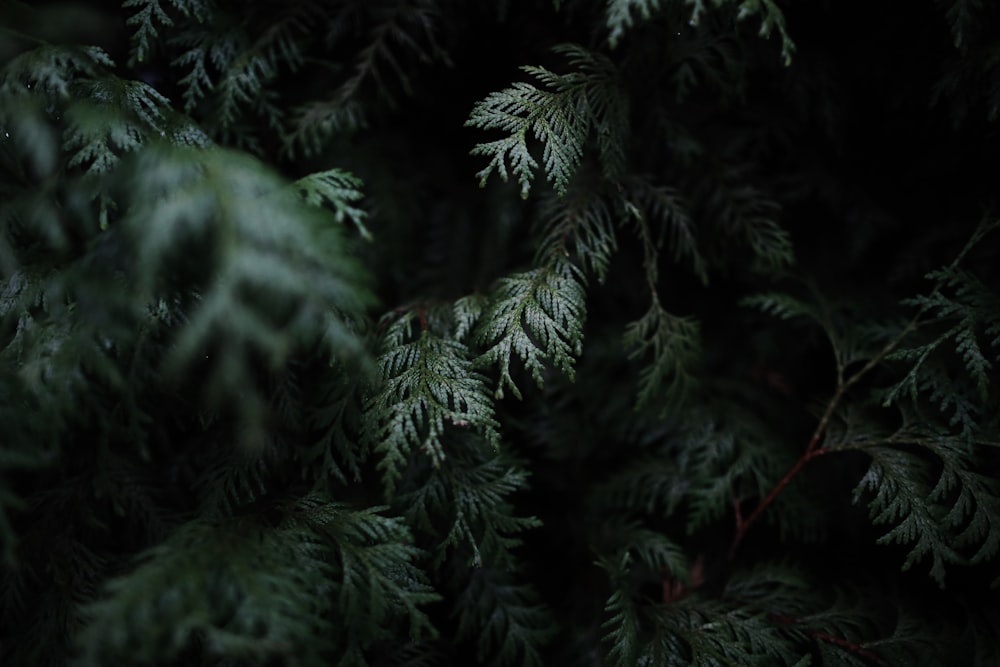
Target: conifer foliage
column 424, row 332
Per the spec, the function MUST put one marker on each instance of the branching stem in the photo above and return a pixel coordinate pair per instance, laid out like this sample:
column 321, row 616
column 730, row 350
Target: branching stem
column 814, row 450
column 846, row 644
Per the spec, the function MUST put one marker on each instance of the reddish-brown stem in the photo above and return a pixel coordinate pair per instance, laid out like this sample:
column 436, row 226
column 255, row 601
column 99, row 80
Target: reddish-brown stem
column 856, row 649
column 743, row 525
column 423, row 317
column 814, row 450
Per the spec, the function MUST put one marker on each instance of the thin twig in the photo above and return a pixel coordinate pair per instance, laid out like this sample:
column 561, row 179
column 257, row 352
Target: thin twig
column 814, row 450
column 846, row 644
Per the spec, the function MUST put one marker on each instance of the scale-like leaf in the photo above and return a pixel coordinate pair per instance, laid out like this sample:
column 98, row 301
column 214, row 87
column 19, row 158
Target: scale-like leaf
column 560, row 114
column 927, row 491
column 430, row 387
column 538, row 316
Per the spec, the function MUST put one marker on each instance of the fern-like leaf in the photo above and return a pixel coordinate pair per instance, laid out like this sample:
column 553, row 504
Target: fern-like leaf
column 52, row 70
column 339, row 190
column 771, row 18
column 467, row 313
column 244, row 589
column 667, row 346
column 430, row 388
column 338, row 416
column 579, row 224
column 933, row 501
column 560, row 114
column 619, row 16
column 720, row 460
column 470, row 492
column 962, row 299
column 127, row 115
column 150, row 16
column 504, row 619
column 537, row 315
column 310, row 126
column 273, row 275
column 621, row 623
column 959, row 318
column 663, row 211
column 706, row 633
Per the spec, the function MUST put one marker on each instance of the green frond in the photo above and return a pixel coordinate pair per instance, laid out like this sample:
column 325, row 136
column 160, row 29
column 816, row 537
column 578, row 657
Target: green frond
column 553, row 120
column 469, row 493
column 903, row 485
column 771, row 19
column 667, row 346
column 52, row 70
column 467, row 313
column 503, row 618
column 401, row 32
column 228, row 73
column 783, row 306
column 379, row 576
column 30, row 148
column 537, row 315
column 958, row 317
column 708, row 633
column 619, row 16
column 621, row 629
column 430, row 389
column 910, row 642
column 853, row 336
column 310, row 127
column 196, row 57
column 150, row 17
column 651, row 485
column 77, row 571
column 257, row 590
column 417, row 654
column 122, row 117
column 339, row 190
column 650, row 547
column 746, row 217
column 578, row 225
column 697, row 470
column 844, row 625
column 723, row 462
column 256, row 329
column 61, row 361
column 242, row 87
column 771, row 245
column 231, row 479
column 778, row 588
column 664, row 210
column 560, row 114
column 927, row 490
column 276, row 274
column 337, row 415
column 961, row 296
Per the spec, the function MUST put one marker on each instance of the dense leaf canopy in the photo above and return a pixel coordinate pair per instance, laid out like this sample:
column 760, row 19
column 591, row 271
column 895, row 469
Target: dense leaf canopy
column 553, row 332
